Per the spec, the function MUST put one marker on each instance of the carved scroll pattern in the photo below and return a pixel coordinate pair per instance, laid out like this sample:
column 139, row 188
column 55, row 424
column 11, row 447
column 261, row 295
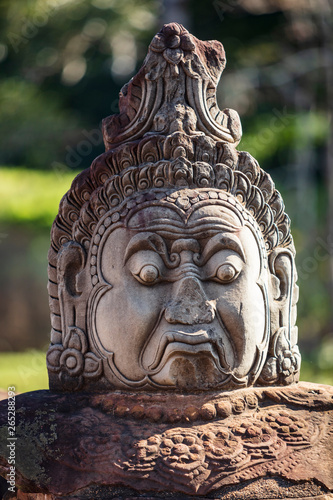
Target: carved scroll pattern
column 201, row 458
column 142, row 185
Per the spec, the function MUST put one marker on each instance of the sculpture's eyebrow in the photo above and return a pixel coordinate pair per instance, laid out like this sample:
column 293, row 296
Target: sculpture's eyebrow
column 221, row 242
column 147, row 241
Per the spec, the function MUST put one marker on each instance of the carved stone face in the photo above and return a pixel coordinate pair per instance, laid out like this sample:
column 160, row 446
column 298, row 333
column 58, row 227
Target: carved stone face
column 187, row 305
column 172, row 262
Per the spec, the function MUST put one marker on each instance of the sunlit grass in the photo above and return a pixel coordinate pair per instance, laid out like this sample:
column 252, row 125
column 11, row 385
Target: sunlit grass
column 310, row 372
column 32, row 197
column 26, row 371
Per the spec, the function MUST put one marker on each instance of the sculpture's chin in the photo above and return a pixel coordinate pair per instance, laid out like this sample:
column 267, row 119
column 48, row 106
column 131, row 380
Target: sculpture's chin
column 196, row 371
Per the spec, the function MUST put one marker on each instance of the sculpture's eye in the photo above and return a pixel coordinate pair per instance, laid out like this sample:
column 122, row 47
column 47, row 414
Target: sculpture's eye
column 226, row 273
column 148, row 274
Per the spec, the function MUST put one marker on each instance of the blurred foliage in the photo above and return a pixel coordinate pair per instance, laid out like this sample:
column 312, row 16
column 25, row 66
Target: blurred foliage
column 266, row 138
column 62, row 64
column 311, row 372
column 26, row 371
column 32, row 197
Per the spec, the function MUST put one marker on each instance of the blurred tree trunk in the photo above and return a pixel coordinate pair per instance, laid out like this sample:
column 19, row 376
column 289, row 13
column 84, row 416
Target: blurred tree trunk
column 330, row 181
column 326, row 24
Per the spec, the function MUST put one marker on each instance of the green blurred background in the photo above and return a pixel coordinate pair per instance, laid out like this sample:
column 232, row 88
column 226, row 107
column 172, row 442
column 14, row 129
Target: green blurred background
column 62, row 63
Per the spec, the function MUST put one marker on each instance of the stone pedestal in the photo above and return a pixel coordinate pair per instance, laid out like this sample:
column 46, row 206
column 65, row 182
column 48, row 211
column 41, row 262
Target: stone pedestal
column 270, row 443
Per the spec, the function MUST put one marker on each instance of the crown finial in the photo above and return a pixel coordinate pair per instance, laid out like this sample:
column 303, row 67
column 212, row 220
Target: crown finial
column 174, row 92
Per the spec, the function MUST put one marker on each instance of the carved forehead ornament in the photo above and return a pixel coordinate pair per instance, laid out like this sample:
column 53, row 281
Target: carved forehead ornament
column 161, row 213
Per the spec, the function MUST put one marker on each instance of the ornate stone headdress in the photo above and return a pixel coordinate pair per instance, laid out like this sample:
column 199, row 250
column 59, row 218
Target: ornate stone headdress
column 170, row 144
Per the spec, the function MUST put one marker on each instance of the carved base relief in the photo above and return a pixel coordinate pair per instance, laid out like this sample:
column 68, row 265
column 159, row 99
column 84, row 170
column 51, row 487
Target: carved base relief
column 186, row 444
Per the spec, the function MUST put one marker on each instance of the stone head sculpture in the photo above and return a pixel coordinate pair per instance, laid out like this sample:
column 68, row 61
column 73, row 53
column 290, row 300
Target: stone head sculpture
column 172, row 264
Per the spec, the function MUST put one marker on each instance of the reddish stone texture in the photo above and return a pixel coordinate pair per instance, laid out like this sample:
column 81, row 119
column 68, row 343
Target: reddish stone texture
column 186, row 445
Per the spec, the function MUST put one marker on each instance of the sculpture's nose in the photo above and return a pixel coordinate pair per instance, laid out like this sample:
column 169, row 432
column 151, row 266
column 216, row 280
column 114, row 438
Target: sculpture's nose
column 190, row 305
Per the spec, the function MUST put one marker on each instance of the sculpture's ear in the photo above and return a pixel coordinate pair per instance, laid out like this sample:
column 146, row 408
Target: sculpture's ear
column 281, row 265
column 70, row 266
column 283, row 358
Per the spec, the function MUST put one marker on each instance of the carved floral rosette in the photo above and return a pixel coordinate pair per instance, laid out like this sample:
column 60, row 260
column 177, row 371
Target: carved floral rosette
column 170, row 145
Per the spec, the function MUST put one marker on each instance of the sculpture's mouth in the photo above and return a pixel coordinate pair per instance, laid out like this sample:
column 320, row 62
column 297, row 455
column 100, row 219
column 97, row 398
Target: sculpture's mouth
column 183, row 340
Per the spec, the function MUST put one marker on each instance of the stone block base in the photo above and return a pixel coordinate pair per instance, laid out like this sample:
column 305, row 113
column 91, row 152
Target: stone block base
column 249, row 444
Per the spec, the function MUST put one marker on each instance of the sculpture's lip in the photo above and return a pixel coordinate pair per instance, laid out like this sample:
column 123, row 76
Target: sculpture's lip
column 171, row 336
column 188, row 337
column 192, row 341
